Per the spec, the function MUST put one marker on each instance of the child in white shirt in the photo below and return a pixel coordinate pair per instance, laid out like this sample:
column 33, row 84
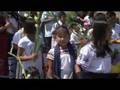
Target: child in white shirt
column 61, row 58
column 26, row 45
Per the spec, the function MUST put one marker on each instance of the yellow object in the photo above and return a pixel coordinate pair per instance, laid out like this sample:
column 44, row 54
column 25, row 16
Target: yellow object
column 118, row 41
column 115, row 41
column 116, row 68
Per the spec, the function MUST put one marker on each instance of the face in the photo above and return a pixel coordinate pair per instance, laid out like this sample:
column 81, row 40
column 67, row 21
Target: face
column 83, row 41
column 76, row 28
column 63, row 18
column 62, row 39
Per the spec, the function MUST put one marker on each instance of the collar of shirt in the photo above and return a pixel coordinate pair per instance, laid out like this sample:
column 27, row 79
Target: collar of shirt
column 60, row 23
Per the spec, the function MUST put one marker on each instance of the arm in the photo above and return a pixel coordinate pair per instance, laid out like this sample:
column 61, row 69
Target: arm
column 82, row 61
column 77, row 69
column 50, row 69
column 2, row 28
column 20, row 54
column 81, row 19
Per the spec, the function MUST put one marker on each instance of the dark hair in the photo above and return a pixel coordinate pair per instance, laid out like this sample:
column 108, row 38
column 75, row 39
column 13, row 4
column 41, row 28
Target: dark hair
column 111, row 13
column 100, row 28
column 61, row 13
column 61, row 29
column 100, row 17
column 73, row 25
column 29, row 26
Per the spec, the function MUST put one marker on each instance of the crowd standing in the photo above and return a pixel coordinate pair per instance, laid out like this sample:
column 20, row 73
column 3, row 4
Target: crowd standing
column 44, row 45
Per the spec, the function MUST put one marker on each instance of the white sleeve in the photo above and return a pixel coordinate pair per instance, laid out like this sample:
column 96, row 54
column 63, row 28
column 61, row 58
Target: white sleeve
column 114, row 34
column 15, row 39
column 22, row 43
column 83, row 58
column 72, row 38
column 50, row 54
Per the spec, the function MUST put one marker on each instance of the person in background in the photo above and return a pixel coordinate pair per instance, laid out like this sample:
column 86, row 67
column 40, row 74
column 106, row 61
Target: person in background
column 4, row 69
column 47, row 19
column 14, row 47
column 94, row 60
column 26, row 45
column 61, row 21
column 76, row 37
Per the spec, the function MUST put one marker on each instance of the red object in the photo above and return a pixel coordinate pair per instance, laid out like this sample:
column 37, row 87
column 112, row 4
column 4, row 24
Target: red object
column 4, row 70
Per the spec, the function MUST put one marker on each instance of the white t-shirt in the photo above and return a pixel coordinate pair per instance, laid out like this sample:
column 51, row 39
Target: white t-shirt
column 115, row 35
column 28, row 46
column 48, row 25
column 66, row 64
column 17, row 36
column 89, row 62
column 117, row 29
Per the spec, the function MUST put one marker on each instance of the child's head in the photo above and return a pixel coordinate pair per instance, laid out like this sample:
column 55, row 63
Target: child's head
column 62, row 35
column 29, row 26
column 101, row 28
column 75, row 27
column 83, row 41
column 111, row 17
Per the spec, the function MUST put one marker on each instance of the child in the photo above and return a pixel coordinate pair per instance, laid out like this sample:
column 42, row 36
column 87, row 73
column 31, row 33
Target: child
column 61, row 58
column 94, row 60
column 61, row 21
column 48, row 20
column 76, row 36
column 13, row 63
column 25, row 49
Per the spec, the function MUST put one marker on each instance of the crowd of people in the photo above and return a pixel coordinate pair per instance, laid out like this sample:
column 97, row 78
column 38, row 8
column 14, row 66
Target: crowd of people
column 46, row 46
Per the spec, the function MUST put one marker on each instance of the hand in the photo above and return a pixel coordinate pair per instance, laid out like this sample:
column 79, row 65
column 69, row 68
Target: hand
column 49, row 77
column 34, row 56
column 77, row 70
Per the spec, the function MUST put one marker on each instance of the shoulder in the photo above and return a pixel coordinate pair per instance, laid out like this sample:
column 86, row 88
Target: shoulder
column 72, row 34
column 50, row 54
column 51, row 51
column 18, row 32
column 87, row 48
column 23, row 41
